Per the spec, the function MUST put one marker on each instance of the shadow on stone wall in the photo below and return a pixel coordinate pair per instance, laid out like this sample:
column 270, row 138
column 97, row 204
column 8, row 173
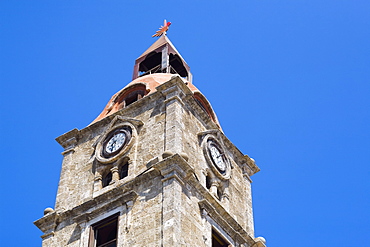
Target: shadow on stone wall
column 76, row 235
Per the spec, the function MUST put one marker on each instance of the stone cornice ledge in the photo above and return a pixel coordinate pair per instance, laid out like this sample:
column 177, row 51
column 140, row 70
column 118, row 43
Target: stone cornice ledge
column 241, row 159
column 174, row 166
column 174, row 81
column 68, row 140
column 47, row 223
column 88, row 210
column 223, row 218
column 102, row 203
column 178, row 168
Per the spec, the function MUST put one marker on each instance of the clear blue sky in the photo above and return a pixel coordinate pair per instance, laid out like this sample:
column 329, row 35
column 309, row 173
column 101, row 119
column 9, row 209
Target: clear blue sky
column 289, row 81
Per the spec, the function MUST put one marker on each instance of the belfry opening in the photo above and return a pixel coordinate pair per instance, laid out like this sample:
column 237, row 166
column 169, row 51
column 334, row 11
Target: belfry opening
column 153, row 61
column 161, row 57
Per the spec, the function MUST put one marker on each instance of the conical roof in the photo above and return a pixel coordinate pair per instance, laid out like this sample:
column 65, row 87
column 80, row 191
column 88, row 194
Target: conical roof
column 160, row 43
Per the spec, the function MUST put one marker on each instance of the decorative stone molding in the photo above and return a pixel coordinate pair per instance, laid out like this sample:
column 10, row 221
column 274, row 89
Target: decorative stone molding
column 227, row 222
column 214, row 187
column 214, row 137
column 234, row 154
column 173, row 94
column 48, row 235
column 68, row 141
column 252, row 164
column 86, row 211
column 48, row 211
column 185, row 156
column 47, row 224
column 98, row 182
column 225, row 198
column 117, row 123
column 166, row 154
column 174, row 167
column 115, row 174
column 104, row 205
column 247, row 172
column 129, row 206
column 175, row 84
column 260, row 242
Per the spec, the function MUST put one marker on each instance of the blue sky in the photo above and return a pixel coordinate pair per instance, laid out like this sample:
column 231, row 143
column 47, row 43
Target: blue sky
column 289, row 81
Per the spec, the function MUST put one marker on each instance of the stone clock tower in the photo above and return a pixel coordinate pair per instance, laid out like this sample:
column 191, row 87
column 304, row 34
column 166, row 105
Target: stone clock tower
column 153, row 169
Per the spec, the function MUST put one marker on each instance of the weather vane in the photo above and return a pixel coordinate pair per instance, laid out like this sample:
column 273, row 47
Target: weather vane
column 163, row 29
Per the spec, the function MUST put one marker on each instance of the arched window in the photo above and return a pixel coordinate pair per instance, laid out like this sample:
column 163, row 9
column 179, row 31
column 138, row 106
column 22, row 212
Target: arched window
column 107, row 178
column 123, row 170
column 208, row 182
column 219, row 193
column 131, row 95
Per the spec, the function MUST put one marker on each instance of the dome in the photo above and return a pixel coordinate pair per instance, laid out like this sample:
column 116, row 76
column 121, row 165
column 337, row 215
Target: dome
column 146, row 85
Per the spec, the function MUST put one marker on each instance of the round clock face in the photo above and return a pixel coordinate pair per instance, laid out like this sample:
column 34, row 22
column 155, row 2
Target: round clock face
column 217, row 157
column 115, row 142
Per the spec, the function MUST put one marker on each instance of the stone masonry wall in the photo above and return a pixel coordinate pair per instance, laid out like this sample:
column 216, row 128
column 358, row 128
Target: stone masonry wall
column 166, row 209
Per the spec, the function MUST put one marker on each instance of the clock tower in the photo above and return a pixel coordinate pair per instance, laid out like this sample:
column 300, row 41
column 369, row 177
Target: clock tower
column 153, row 169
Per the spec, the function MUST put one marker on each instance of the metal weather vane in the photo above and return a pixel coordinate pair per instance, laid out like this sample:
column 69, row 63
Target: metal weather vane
column 162, row 30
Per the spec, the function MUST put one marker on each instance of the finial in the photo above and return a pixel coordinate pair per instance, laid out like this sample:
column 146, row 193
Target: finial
column 163, row 29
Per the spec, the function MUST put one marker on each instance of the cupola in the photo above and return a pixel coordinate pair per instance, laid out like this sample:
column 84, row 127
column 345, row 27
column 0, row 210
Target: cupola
column 157, row 65
column 161, row 57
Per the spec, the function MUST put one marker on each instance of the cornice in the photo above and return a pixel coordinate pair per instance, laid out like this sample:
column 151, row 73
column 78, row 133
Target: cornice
column 176, row 167
column 241, row 159
column 89, row 209
column 172, row 167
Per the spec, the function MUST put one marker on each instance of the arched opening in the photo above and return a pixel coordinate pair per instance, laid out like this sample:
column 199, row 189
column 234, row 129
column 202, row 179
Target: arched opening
column 107, row 178
column 131, row 95
column 176, row 66
column 153, row 64
column 208, row 182
column 219, row 193
column 123, row 170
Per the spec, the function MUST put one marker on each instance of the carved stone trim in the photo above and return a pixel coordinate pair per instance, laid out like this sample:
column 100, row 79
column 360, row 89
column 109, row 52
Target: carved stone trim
column 174, row 98
column 234, row 152
column 82, row 213
column 117, row 123
column 179, row 168
column 217, row 142
column 68, row 140
column 227, row 222
column 48, row 235
column 210, row 204
column 100, row 204
column 176, row 81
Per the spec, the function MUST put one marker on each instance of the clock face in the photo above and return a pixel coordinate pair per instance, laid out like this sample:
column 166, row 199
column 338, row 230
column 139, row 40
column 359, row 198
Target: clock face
column 115, row 143
column 217, row 157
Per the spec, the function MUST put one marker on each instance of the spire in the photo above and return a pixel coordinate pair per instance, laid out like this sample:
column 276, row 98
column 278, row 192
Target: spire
column 161, row 57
